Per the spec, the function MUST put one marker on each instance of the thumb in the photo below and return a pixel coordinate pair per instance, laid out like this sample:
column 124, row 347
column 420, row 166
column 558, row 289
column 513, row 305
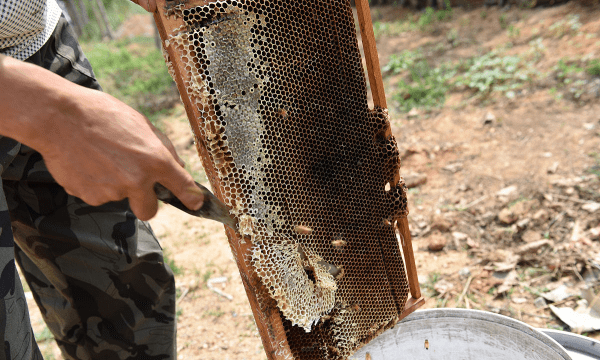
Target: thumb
column 182, row 185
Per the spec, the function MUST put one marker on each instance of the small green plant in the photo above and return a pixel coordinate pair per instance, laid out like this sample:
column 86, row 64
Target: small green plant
column 513, row 32
column 426, row 19
column 536, row 51
column 565, row 67
column 177, row 270
column 433, row 278
column 132, row 70
column 595, row 170
column 431, row 15
column 425, row 87
column 403, row 61
column 503, row 21
column 446, row 13
column 452, row 36
column 570, row 26
column 593, row 67
column 394, row 28
column 44, row 335
column 492, row 72
column 214, row 313
column 483, row 14
column 206, row 276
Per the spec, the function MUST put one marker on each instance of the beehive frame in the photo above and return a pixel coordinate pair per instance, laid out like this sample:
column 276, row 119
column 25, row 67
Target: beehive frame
column 319, row 201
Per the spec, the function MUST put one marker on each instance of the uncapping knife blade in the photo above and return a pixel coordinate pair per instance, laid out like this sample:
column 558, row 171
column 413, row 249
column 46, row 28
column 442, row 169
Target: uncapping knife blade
column 212, row 208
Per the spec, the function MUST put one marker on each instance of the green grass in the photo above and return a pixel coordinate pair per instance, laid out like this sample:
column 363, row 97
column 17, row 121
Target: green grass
column 423, row 86
column 493, row 72
column 402, row 61
column 566, row 67
column 593, row 67
column 426, row 87
column 423, row 22
column 395, row 28
column 177, row 270
column 431, row 16
column 44, row 335
column 132, row 70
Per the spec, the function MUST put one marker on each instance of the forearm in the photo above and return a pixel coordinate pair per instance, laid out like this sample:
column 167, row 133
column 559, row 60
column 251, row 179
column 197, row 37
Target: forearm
column 32, row 99
column 96, row 147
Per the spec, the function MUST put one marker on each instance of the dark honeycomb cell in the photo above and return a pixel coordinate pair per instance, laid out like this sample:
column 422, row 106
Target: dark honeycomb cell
column 282, row 95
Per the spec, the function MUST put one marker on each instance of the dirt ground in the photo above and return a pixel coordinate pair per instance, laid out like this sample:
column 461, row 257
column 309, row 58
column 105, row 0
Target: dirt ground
column 504, row 191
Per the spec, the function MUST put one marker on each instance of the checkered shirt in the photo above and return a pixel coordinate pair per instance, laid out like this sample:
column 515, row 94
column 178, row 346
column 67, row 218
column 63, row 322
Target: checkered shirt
column 26, row 25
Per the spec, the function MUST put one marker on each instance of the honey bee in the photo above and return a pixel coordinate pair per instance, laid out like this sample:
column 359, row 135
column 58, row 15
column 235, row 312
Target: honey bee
column 426, row 344
column 387, row 222
column 338, row 243
column 355, row 307
column 303, row 230
column 282, row 112
column 368, row 356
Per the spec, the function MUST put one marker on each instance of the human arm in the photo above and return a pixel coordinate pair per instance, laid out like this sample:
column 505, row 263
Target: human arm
column 96, row 147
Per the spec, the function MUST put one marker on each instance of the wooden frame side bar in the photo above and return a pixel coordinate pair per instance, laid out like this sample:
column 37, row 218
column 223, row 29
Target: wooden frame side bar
column 377, row 91
column 370, row 49
column 270, row 325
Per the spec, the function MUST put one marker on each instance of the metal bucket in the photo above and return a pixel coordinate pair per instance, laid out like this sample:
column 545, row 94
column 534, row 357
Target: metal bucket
column 577, row 346
column 461, row 334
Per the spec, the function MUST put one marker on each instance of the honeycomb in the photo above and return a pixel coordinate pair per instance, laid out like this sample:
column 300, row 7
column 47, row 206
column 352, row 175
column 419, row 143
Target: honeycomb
column 282, row 101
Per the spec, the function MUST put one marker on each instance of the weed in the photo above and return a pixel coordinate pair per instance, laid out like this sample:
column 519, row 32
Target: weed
column 44, row 335
column 503, row 21
column 131, row 70
column 177, row 270
column 513, row 32
column 452, row 36
column 536, row 50
column 483, row 14
column 47, row 353
column 426, row 19
column 215, row 313
column 392, row 28
column 431, row 15
column 570, row 26
column 492, row 72
column 403, row 61
column 593, row 67
column 426, row 87
column 595, row 169
column 433, row 278
column 563, row 69
column 206, row 276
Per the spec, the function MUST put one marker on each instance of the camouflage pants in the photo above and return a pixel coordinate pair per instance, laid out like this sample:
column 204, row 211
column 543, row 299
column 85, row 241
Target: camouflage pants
column 96, row 273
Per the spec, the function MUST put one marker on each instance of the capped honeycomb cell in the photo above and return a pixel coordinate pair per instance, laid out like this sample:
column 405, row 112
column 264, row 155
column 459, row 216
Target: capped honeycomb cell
column 277, row 99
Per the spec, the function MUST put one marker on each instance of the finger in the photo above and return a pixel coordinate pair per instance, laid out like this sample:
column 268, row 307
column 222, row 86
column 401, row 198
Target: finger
column 143, row 203
column 180, row 182
column 167, row 143
column 151, row 5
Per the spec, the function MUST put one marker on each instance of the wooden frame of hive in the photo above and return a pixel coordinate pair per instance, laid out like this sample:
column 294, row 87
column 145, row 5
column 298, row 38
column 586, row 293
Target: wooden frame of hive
column 254, row 92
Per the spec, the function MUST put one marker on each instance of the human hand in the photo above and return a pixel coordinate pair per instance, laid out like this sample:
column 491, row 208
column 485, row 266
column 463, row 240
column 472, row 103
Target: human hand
column 149, row 5
column 101, row 150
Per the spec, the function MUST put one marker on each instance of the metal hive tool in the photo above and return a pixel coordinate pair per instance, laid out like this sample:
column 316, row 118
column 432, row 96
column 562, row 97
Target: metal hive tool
column 276, row 96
